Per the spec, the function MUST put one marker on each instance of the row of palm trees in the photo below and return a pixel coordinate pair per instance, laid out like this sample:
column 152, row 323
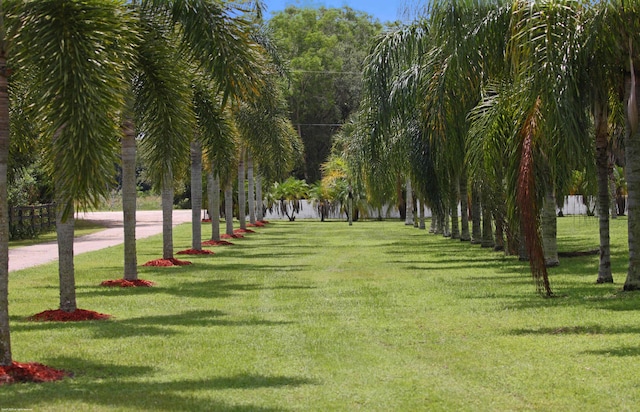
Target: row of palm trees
column 500, row 102
column 181, row 79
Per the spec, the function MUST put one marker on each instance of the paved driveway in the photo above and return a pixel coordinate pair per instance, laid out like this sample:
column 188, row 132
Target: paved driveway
column 148, row 223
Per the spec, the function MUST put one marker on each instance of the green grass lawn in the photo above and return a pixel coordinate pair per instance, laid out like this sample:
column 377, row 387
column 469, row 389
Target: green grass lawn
column 310, row 316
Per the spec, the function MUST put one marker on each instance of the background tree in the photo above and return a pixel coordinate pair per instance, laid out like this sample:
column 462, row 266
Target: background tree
column 325, row 49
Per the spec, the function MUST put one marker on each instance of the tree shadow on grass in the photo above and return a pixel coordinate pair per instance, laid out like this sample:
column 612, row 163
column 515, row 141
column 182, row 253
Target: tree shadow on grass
column 623, row 351
column 158, row 325
column 117, row 386
column 593, row 329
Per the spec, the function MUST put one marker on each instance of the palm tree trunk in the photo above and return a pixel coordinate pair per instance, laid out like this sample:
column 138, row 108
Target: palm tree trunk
column 498, row 218
column 455, row 228
column 550, row 229
column 213, row 184
column 5, row 335
column 421, row 213
column 129, row 200
column 409, row 204
column 167, row 214
column 476, row 212
column 251, row 193
column 600, row 116
column 196, row 195
column 433, row 227
column 632, row 161
column 464, row 208
column 259, row 204
column 66, row 274
column 228, row 208
column 446, row 222
column 487, row 223
column 242, row 195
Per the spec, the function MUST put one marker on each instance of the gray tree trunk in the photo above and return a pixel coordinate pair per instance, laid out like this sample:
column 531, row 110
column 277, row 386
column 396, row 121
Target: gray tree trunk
column 422, row 225
column 549, row 228
column 464, row 208
column 259, row 201
column 476, row 212
column 5, row 333
column 196, row 195
column 251, row 193
column 487, row 225
column 632, row 171
column 242, row 195
column 213, row 184
column 446, row 222
column 167, row 214
column 433, row 227
column 409, row 211
column 129, row 194
column 455, row 224
column 604, row 170
column 66, row 274
column 228, row 208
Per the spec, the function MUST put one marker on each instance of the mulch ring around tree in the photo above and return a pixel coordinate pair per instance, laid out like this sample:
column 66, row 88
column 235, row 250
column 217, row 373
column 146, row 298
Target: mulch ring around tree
column 195, row 252
column 77, row 315
column 234, row 236
column 259, row 223
column 124, row 283
column 167, row 262
column 30, row 372
column 240, row 231
column 216, row 243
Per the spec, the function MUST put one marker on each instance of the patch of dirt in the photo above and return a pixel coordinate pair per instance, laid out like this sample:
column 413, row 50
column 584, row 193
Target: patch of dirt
column 30, row 372
column 77, row 315
column 234, row 236
column 124, row 283
column 236, row 231
column 166, row 262
column 216, row 243
column 195, row 252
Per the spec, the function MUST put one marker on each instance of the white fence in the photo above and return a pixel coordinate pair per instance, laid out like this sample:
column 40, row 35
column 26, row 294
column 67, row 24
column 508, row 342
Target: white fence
column 573, row 205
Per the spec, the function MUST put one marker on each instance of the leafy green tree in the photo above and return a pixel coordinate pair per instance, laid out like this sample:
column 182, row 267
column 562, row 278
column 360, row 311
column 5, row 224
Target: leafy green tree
column 325, row 49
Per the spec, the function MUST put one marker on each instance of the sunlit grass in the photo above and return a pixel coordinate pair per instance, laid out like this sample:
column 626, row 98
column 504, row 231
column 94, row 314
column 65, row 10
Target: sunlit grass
column 316, row 316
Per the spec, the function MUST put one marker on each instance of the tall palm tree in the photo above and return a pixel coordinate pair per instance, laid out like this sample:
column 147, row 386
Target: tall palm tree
column 216, row 36
column 5, row 334
column 80, row 85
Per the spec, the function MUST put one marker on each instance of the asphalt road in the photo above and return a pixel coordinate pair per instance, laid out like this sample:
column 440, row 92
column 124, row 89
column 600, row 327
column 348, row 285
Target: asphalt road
column 148, row 223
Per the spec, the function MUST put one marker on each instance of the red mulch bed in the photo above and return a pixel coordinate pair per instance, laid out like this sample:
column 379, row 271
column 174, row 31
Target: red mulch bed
column 234, row 236
column 236, row 231
column 195, row 252
column 216, row 243
column 167, row 262
column 124, row 283
column 77, row 315
column 30, row 372
column 206, row 220
column 257, row 224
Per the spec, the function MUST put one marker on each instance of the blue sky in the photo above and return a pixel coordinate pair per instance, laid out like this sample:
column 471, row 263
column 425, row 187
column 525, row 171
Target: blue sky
column 384, row 10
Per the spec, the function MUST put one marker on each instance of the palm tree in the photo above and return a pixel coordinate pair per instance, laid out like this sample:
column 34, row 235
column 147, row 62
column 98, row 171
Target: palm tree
column 80, row 85
column 129, row 190
column 187, row 31
column 5, row 334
